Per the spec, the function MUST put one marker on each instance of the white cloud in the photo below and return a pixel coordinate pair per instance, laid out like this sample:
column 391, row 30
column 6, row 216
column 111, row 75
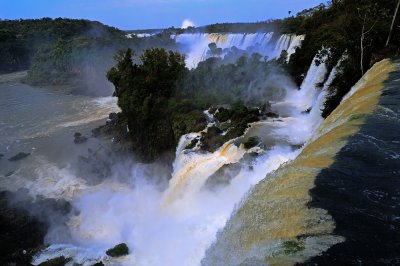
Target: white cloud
column 187, row 23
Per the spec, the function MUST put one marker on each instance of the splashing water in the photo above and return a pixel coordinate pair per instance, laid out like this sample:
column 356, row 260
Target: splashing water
column 176, row 224
column 257, row 42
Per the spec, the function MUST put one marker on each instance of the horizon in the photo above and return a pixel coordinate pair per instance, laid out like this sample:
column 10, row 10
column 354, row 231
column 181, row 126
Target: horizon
column 156, row 14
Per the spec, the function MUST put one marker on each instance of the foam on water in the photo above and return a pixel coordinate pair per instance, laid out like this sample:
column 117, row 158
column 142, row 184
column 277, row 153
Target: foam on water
column 174, row 226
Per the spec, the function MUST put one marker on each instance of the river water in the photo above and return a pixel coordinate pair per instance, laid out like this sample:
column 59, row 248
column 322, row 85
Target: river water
column 42, row 122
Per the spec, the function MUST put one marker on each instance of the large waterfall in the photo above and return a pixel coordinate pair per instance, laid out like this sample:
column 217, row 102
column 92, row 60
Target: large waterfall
column 274, row 225
column 266, row 205
column 175, row 225
column 197, row 44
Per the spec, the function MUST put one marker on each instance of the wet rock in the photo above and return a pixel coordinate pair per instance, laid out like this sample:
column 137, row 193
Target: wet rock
column 118, row 251
column 296, row 147
column 1, row 155
column 19, row 156
column 83, row 159
column 272, row 115
column 79, row 138
column 307, row 111
column 59, row 261
column 98, row 264
column 9, row 174
column 192, row 144
column 21, row 235
column 113, row 116
column 251, row 142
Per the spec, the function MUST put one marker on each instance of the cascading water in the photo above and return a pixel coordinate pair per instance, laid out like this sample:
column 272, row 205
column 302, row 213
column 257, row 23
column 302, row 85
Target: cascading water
column 275, row 224
column 175, row 225
column 197, row 44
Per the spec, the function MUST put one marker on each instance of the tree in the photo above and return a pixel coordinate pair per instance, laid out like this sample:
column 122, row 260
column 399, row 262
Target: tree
column 143, row 92
column 367, row 16
column 391, row 26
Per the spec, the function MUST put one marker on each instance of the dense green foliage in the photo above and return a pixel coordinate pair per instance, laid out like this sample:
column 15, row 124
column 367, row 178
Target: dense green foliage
column 263, row 26
column 143, row 92
column 20, row 39
column 82, row 62
column 338, row 28
column 76, row 53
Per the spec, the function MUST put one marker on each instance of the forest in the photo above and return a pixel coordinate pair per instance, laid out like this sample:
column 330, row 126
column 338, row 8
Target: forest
column 66, row 52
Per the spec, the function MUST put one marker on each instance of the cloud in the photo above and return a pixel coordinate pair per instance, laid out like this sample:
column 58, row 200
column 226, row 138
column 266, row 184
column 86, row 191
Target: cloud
column 187, row 23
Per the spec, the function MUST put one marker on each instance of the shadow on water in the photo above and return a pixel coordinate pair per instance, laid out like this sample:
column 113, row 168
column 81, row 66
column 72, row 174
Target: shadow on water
column 361, row 190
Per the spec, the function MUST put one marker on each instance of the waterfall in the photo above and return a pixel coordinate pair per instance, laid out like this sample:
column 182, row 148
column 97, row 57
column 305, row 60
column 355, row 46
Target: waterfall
column 196, row 44
column 176, row 225
column 275, row 224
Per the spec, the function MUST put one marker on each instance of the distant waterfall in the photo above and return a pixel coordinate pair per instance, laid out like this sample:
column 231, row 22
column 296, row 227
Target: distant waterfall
column 197, row 44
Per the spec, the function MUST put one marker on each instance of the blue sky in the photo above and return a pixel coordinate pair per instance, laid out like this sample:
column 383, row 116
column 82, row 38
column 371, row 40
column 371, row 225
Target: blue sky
column 145, row 14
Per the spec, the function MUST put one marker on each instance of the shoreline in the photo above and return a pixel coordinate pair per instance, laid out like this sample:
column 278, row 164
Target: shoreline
column 13, row 77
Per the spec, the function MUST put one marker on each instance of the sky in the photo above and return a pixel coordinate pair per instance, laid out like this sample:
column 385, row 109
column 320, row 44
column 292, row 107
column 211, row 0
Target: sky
column 154, row 14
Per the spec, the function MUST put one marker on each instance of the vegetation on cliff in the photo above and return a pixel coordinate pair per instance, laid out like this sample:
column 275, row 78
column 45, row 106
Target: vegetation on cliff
column 20, row 39
column 75, row 53
column 143, row 92
column 83, row 62
column 161, row 99
column 358, row 29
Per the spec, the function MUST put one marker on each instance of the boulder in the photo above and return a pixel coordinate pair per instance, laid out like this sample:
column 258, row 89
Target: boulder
column 118, row 251
column 79, row 138
column 19, row 156
column 113, row 116
column 9, row 174
column 251, row 142
column 59, row 261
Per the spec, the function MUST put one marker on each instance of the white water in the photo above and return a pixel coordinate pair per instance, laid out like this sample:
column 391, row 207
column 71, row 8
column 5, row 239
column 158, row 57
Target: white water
column 173, row 223
column 197, row 44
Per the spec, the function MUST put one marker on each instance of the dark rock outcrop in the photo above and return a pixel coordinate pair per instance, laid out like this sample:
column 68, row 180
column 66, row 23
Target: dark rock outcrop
column 59, row 261
column 79, row 138
column 19, row 156
column 21, row 234
column 118, row 251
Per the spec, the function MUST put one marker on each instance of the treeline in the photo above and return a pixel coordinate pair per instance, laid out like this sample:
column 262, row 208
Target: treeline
column 20, row 39
column 356, row 31
column 82, row 62
column 75, row 53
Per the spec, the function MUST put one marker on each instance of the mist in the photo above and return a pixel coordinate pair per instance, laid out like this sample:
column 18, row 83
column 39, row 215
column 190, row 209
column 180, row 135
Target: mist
column 171, row 216
column 165, row 213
